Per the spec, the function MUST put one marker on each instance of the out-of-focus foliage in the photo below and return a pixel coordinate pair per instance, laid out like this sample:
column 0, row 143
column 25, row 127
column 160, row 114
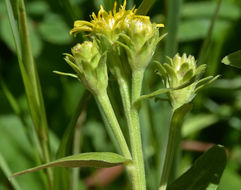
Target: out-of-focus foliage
column 216, row 114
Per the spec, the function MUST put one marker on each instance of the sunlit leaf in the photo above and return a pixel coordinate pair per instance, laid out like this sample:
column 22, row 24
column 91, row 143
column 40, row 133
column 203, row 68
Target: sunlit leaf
column 233, row 59
column 198, row 122
column 37, row 8
column 92, row 159
column 207, row 8
column 6, row 171
column 205, row 172
column 54, row 30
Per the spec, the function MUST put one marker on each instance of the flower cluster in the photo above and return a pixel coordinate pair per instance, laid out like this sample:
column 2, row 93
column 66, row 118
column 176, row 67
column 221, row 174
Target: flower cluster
column 126, row 40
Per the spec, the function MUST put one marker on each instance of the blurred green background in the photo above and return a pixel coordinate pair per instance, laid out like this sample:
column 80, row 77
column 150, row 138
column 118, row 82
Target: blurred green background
column 215, row 118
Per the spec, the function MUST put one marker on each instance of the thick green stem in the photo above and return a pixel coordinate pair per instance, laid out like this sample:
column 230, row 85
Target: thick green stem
column 104, row 102
column 136, row 170
column 139, row 181
column 173, row 139
column 77, row 147
column 173, row 143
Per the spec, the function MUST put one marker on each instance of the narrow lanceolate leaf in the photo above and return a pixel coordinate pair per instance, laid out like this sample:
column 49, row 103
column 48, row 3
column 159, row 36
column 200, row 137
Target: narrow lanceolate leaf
column 233, row 59
column 145, row 6
column 6, row 172
column 205, row 172
column 14, row 28
column 164, row 90
column 91, row 159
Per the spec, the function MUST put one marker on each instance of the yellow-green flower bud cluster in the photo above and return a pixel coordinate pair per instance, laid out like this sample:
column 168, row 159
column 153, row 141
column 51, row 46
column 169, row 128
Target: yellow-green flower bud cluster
column 139, row 39
column 121, row 40
column 183, row 76
column 122, row 33
column 90, row 65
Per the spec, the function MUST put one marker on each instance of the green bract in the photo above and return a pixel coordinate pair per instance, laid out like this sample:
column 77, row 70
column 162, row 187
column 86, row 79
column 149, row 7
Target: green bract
column 183, row 71
column 90, row 65
column 139, row 41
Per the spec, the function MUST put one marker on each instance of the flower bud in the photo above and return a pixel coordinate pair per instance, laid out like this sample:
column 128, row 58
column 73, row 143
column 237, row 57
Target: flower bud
column 89, row 65
column 140, row 39
column 183, row 76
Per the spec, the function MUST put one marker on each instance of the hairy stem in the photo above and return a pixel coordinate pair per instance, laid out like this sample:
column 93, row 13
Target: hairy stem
column 139, row 182
column 104, row 102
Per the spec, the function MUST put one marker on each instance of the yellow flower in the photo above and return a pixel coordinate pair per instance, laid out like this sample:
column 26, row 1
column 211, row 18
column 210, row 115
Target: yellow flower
column 111, row 23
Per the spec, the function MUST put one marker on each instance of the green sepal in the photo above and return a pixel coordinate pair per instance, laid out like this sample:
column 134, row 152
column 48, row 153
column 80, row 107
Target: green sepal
column 206, row 81
column 184, row 67
column 162, row 71
column 172, row 74
column 65, row 74
column 200, row 70
column 188, row 75
column 126, row 39
column 72, row 64
column 160, row 38
column 170, row 60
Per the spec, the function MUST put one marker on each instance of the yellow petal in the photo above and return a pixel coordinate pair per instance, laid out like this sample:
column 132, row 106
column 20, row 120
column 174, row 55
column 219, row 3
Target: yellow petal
column 160, row 25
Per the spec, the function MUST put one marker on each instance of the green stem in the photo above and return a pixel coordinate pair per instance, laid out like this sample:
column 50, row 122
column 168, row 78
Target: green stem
column 33, row 89
column 104, row 102
column 139, row 181
column 173, row 17
column 76, row 148
column 170, row 151
column 173, row 143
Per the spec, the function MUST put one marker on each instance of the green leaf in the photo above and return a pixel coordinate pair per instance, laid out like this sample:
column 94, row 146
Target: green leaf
column 198, row 122
column 38, row 8
column 54, row 30
column 230, row 180
column 205, row 172
column 6, row 35
column 233, row 59
column 91, row 159
column 14, row 28
column 12, row 134
column 6, row 171
column 165, row 90
column 173, row 18
column 12, row 100
column 144, row 7
column 197, row 28
column 207, row 8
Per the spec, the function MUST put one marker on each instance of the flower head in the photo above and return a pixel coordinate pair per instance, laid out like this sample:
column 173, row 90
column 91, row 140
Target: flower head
column 90, row 65
column 109, row 23
column 183, row 75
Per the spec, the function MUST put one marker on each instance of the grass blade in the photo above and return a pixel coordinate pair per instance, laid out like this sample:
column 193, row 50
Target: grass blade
column 14, row 28
column 30, row 77
column 144, row 7
column 173, row 17
column 202, row 55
